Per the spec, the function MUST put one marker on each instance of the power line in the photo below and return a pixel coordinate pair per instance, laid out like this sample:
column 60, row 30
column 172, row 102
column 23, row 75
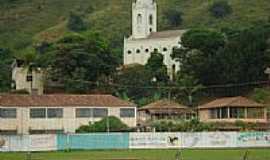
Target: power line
column 174, row 86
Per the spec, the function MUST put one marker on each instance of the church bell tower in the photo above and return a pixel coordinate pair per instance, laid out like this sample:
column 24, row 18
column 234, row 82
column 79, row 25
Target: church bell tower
column 144, row 18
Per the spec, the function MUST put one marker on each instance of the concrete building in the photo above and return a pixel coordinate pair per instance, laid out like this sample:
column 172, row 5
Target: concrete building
column 23, row 114
column 233, row 109
column 164, row 110
column 26, row 79
column 145, row 38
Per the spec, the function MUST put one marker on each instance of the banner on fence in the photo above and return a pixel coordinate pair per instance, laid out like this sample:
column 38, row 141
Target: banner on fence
column 253, row 139
column 43, row 143
column 155, row 140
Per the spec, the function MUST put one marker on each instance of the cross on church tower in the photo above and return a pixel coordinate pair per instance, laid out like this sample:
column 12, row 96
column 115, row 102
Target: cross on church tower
column 144, row 18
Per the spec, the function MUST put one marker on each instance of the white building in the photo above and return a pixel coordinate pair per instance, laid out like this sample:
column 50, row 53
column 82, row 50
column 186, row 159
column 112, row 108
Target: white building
column 25, row 79
column 145, row 38
column 24, row 114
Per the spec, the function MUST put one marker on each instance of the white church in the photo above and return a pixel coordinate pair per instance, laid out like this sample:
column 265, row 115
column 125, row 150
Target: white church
column 145, row 37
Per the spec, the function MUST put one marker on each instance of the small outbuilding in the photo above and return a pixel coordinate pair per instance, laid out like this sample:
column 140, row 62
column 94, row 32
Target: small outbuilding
column 164, row 109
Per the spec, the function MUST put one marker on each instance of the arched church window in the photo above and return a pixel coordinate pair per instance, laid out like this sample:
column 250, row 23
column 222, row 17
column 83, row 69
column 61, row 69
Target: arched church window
column 138, row 51
column 150, row 30
column 129, row 52
column 139, row 19
column 151, row 19
column 165, row 49
column 146, row 50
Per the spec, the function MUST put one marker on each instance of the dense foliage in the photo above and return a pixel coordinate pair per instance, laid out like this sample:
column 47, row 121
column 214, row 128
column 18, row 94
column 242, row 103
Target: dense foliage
column 5, row 71
column 214, row 57
column 78, row 61
column 141, row 83
column 107, row 124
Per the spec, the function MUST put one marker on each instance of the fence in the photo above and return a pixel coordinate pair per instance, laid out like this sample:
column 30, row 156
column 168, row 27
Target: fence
column 135, row 141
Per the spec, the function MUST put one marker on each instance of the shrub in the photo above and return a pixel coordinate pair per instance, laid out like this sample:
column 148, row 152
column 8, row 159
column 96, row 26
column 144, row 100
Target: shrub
column 114, row 124
column 220, row 9
column 76, row 23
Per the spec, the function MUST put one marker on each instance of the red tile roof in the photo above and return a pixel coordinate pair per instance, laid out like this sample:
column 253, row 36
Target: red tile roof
column 63, row 101
column 231, row 102
column 164, row 104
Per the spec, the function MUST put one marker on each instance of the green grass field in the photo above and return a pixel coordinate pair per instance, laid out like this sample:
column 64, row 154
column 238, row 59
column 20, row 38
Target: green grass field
column 235, row 154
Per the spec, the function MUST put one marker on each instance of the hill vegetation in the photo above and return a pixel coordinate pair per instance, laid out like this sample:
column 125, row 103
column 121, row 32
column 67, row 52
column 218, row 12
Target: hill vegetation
column 23, row 22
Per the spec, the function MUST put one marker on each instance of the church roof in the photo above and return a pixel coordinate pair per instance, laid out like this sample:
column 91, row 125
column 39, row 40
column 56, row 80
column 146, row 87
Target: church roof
column 166, row 34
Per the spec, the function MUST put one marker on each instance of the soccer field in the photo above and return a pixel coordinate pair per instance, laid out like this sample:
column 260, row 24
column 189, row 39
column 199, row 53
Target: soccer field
column 235, row 154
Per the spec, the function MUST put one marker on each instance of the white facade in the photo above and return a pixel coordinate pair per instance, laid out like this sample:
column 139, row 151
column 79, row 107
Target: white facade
column 145, row 38
column 23, row 123
column 21, row 80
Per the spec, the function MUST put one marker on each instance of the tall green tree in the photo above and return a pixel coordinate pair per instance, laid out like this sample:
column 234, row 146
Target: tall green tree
column 79, row 60
column 5, row 71
column 157, row 68
column 198, row 52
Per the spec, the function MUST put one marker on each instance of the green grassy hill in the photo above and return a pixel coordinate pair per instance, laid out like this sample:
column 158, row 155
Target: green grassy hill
column 23, row 22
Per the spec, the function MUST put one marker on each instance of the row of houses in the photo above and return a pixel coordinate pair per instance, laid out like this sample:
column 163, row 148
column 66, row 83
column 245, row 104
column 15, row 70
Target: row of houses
column 40, row 114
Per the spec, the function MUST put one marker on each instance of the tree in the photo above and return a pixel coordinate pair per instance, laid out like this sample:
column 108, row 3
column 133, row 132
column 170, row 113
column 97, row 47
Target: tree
column 79, row 60
column 220, row 9
column 5, row 72
column 242, row 58
column 111, row 124
column 76, row 23
column 174, row 17
column 133, row 80
column 157, row 68
column 188, row 86
column 197, row 54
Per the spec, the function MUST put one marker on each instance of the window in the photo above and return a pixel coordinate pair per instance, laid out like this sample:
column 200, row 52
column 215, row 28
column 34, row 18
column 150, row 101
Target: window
column 150, row 30
column 146, row 50
column 151, row 19
column 138, row 51
column 219, row 113
column 224, row 112
column 29, row 78
column 9, row 113
column 238, row 113
column 129, row 52
column 255, row 113
column 139, row 19
column 100, row 112
column 127, row 112
column 55, row 113
column 38, row 113
column 165, row 49
column 214, row 113
column 155, row 50
column 83, row 112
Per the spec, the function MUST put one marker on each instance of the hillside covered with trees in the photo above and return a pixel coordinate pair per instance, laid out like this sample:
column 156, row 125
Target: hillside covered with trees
column 79, row 43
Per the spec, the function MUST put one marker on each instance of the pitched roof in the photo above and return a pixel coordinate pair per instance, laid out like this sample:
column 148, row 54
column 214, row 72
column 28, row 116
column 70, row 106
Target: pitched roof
column 63, row 101
column 231, row 102
column 166, row 34
column 163, row 104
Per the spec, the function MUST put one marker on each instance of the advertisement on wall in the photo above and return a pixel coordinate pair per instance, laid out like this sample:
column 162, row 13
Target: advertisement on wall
column 43, row 143
column 219, row 139
column 155, row 140
column 147, row 140
column 253, row 139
